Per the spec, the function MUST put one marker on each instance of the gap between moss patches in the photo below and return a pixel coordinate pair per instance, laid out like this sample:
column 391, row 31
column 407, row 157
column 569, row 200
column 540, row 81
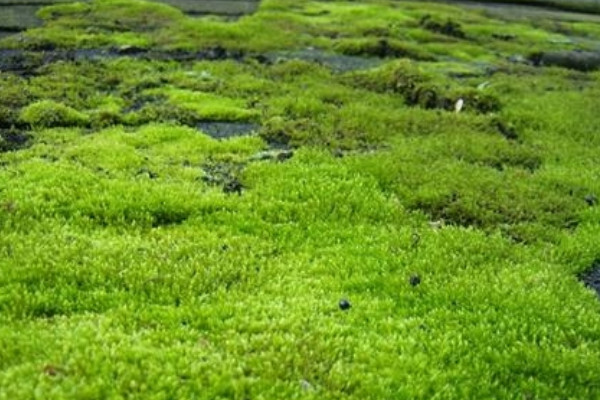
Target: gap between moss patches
column 225, row 130
column 512, row 10
column 215, row 7
column 591, row 277
column 578, row 60
column 25, row 62
column 337, row 62
column 11, row 140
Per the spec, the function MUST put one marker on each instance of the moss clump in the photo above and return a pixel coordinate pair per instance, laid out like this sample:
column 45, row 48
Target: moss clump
column 382, row 48
column 402, row 76
column 104, row 117
column 15, row 95
column 160, row 111
column 422, row 89
column 448, row 28
column 101, row 23
column 207, row 106
column 50, row 114
column 8, row 117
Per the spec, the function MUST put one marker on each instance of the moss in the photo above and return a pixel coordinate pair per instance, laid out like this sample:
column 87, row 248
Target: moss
column 15, row 95
column 104, row 117
column 132, row 250
column 419, row 88
column 206, row 106
column 507, row 199
column 49, row 114
column 401, row 76
column 382, row 48
column 15, row 92
column 160, row 112
column 448, row 28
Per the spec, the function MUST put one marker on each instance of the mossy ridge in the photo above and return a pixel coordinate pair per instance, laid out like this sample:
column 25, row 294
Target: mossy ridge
column 419, row 89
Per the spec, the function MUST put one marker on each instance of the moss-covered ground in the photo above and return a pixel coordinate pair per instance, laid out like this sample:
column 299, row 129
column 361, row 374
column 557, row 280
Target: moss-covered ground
column 141, row 258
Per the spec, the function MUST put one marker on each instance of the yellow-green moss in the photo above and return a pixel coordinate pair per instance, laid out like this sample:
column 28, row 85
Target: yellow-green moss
column 48, row 114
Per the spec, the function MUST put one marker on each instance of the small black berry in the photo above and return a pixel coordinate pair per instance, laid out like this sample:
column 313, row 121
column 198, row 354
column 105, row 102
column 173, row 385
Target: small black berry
column 345, row 305
column 415, row 280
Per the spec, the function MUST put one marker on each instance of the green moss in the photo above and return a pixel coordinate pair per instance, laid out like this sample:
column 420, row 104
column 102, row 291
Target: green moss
column 420, row 88
column 381, row 48
column 142, row 258
column 48, row 114
column 15, row 96
column 207, row 106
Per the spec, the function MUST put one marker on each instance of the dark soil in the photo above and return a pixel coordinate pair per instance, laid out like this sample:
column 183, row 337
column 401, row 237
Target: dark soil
column 26, row 62
column 577, row 60
column 224, row 130
column 337, row 62
column 11, row 140
column 591, row 277
column 535, row 9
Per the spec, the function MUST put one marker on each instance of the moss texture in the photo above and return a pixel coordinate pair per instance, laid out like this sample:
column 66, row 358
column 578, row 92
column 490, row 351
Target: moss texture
column 142, row 258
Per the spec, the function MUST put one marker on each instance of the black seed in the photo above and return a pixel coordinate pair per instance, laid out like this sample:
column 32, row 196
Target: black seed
column 345, row 305
column 415, row 280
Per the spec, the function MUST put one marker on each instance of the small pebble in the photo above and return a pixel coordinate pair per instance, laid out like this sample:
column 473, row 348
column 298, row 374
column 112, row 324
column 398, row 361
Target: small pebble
column 415, row 280
column 345, row 305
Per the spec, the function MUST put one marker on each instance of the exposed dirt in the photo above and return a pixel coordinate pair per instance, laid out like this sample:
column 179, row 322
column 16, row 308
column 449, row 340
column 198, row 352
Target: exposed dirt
column 337, row 62
column 26, row 62
column 591, row 277
column 510, row 11
column 11, row 140
column 577, row 60
column 224, row 130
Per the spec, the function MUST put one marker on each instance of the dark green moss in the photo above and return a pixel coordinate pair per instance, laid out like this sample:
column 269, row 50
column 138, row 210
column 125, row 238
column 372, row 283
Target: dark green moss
column 417, row 88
